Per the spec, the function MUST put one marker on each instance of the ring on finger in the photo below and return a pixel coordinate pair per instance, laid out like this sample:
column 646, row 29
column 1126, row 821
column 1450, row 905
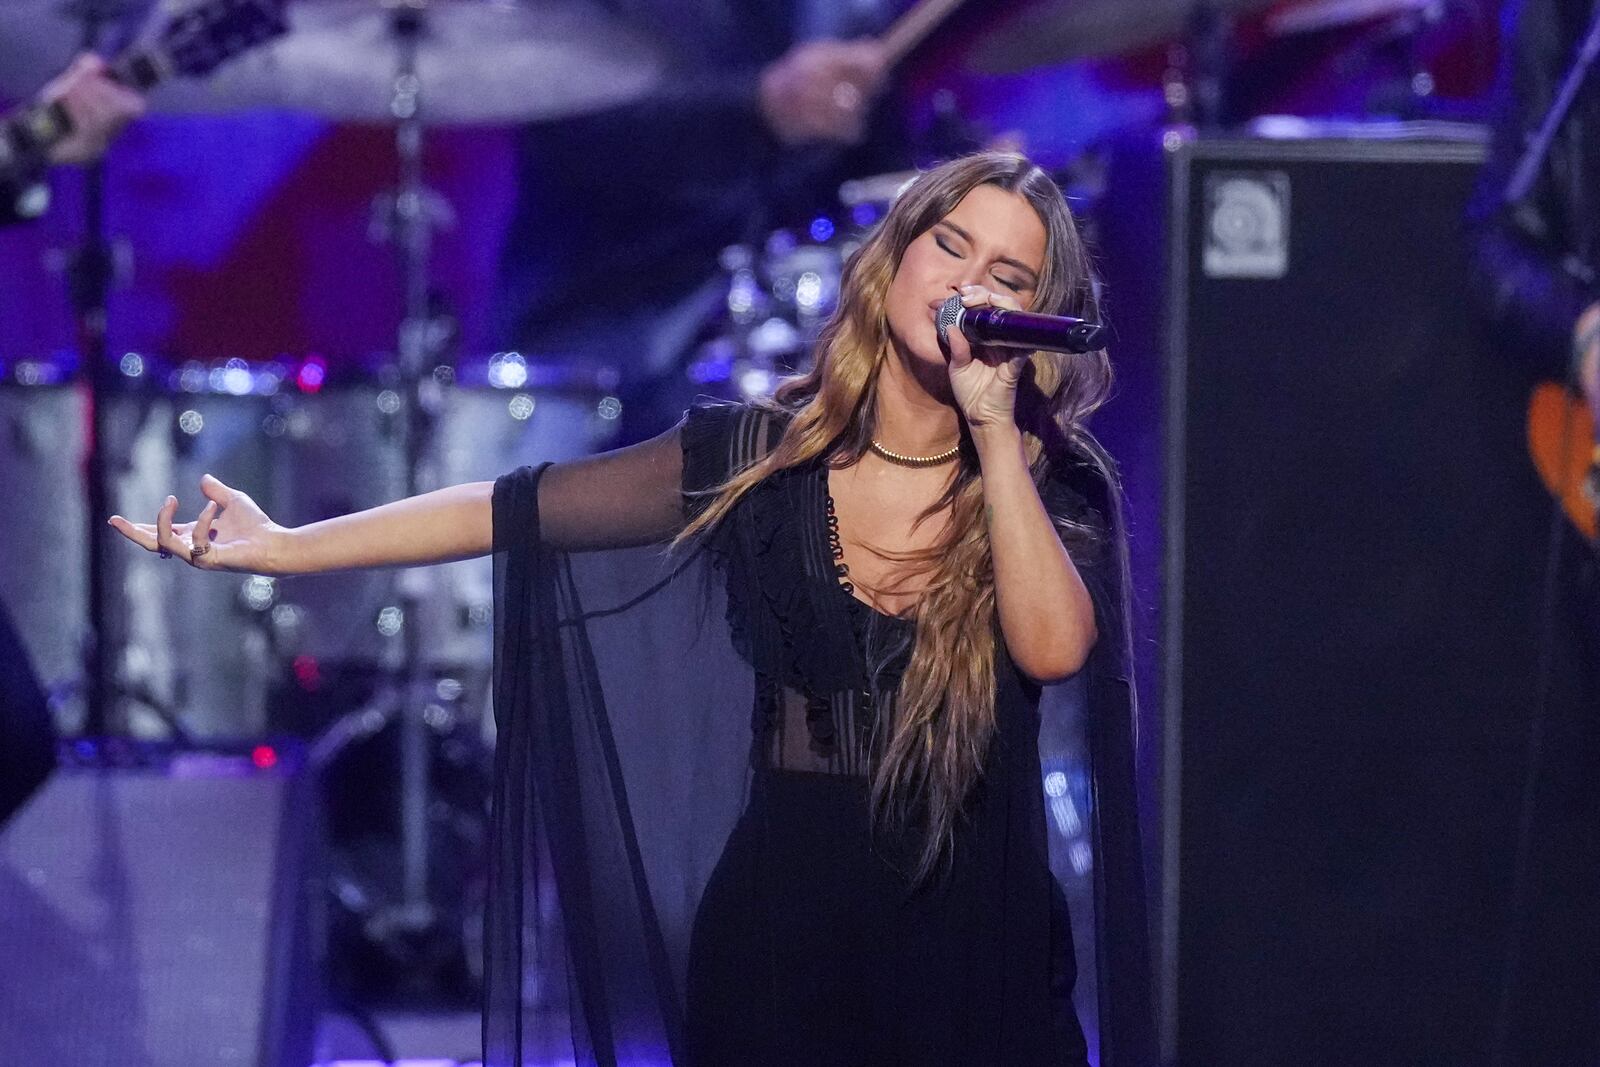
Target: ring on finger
column 163, row 553
column 197, row 551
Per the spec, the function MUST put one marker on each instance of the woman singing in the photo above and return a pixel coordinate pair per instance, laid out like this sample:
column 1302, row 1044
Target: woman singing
column 784, row 779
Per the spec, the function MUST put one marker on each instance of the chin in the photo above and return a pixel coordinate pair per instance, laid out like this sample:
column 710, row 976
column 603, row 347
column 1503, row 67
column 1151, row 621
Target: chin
column 920, row 344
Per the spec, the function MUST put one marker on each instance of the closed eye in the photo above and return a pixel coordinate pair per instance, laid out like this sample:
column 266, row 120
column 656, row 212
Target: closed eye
column 949, row 250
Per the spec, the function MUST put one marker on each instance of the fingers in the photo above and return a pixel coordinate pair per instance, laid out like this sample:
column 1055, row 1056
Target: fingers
column 165, row 541
column 215, row 490
column 978, row 296
column 169, row 538
column 1010, row 372
column 141, row 534
column 864, row 62
column 87, row 63
column 822, row 90
column 200, row 536
column 98, row 107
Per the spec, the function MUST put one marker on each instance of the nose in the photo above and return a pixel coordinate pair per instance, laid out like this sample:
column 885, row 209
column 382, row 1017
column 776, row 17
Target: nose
column 972, row 277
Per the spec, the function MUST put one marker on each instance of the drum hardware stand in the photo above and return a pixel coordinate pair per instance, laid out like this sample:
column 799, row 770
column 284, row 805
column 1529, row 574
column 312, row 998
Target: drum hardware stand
column 1209, row 45
column 90, row 274
column 407, row 217
column 1410, row 95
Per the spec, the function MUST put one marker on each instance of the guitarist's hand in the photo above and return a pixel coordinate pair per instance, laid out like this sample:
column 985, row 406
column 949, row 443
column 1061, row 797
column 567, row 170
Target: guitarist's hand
column 821, row 91
column 98, row 106
column 1586, row 336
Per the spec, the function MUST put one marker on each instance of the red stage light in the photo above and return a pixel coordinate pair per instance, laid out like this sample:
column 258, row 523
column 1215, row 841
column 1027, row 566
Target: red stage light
column 312, row 374
column 308, row 672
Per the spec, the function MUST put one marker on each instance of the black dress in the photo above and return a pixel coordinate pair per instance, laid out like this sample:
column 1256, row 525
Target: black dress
column 687, row 739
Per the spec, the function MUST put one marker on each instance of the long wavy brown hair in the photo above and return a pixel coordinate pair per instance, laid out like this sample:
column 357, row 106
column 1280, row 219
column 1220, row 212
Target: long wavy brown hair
column 944, row 712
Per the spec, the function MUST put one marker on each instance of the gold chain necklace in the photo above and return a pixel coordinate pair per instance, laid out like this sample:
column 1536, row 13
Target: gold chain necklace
column 917, row 461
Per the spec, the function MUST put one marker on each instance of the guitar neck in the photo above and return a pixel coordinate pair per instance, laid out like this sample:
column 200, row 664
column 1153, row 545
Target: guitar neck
column 29, row 132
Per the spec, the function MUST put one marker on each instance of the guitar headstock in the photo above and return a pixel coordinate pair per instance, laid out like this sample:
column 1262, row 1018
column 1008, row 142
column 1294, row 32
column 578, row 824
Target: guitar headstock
column 197, row 41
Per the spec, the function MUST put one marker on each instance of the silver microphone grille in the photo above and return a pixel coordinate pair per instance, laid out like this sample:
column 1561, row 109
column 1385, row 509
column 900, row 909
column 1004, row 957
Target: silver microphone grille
column 949, row 315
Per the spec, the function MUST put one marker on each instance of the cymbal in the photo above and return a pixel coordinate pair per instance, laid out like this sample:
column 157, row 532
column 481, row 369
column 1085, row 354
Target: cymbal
column 478, row 62
column 1040, row 33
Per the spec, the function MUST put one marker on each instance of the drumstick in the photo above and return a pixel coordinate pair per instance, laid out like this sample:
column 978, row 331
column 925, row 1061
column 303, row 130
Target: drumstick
column 912, row 28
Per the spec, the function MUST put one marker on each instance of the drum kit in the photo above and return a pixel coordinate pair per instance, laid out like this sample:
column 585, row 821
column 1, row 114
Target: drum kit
column 202, row 656
column 305, row 439
column 206, row 658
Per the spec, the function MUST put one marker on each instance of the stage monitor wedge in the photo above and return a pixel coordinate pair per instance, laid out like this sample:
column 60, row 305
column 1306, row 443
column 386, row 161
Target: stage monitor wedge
column 161, row 915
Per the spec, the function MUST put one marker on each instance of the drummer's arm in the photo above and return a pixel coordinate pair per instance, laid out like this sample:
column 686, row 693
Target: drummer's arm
column 792, row 100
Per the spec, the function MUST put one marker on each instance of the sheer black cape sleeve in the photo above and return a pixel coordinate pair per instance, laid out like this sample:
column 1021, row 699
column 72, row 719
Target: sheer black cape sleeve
column 624, row 752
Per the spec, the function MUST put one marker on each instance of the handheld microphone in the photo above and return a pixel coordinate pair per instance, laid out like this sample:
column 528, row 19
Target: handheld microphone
column 1019, row 329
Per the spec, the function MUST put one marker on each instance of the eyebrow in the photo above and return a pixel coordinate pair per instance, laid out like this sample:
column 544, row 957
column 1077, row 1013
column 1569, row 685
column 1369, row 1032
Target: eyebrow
column 1007, row 260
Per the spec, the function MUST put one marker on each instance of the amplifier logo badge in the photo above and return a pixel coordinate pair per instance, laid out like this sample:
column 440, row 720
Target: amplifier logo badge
column 1247, row 225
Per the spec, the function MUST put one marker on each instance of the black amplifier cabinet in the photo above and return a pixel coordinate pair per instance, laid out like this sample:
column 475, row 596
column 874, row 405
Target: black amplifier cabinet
column 1339, row 545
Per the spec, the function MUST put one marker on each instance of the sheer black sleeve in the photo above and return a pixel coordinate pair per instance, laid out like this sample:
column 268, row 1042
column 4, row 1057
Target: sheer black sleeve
column 1082, row 489
column 720, row 440
column 645, row 494
column 627, row 497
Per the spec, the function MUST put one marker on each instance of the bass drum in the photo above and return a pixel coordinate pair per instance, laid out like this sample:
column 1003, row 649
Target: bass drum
column 44, row 581
column 488, row 430
column 197, row 643
column 340, row 451
column 197, row 652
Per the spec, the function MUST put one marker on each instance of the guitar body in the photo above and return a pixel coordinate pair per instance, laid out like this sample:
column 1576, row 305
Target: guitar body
column 1561, row 440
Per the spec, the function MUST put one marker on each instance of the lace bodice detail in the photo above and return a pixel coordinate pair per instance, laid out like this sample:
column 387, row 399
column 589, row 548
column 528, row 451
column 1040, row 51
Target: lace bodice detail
column 827, row 665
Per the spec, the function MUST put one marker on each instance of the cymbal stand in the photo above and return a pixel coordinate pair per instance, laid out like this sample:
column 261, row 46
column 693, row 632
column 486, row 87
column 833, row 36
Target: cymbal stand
column 412, row 224
column 406, row 218
column 90, row 277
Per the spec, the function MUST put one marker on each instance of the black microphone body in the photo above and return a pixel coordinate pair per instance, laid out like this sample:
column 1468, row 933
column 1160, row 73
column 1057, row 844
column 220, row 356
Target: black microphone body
column 1002, row 328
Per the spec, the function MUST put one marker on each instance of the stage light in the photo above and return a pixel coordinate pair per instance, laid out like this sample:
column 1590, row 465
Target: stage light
column 312, row 374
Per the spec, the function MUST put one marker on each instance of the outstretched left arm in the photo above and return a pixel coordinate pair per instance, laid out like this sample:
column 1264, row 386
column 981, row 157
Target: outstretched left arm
column 1046, row 613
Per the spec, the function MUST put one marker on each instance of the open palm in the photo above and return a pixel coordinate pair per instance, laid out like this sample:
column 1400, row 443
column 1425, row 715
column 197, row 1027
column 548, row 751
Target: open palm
column 235, row 532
